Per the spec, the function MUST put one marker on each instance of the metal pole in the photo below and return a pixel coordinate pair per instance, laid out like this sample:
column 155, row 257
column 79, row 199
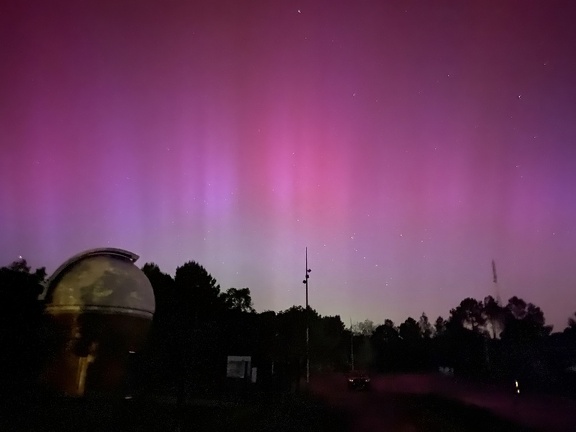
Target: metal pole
column 307, row 323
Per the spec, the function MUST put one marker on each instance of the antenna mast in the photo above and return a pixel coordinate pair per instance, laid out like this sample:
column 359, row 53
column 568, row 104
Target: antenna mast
column 307, row 322
column 495, row 280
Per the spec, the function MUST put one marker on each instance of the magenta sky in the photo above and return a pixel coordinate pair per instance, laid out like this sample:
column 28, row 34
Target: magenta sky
column 407, row 144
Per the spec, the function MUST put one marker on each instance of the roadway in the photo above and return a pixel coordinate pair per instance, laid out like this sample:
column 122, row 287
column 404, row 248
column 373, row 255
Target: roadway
column 403, row 403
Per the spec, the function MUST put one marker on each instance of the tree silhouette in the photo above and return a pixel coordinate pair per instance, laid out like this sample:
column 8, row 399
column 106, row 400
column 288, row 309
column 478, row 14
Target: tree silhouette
column 426, row 329
column 161, row 357
column 524, row 322
column 196, row 326
column 411, row 345
column 197, row 292
column 387, row 332
column 162, row 284
column 464, row 338
column 20, row 325
column 468, row 314
column 439, row 326
column 493, row 317
column 237, row 300
column 363, row 328
column 388, row 356
column 571, row 329
column 523, row 341
column 330, row 343
column 409, row 330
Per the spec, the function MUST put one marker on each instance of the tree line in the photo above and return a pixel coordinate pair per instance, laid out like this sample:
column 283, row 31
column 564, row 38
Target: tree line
column 196, row 325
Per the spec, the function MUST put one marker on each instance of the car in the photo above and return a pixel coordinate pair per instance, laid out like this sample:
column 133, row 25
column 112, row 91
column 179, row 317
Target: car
column 358, row 380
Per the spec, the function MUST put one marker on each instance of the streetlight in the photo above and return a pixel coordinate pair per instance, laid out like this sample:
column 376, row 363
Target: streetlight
column 305, row 281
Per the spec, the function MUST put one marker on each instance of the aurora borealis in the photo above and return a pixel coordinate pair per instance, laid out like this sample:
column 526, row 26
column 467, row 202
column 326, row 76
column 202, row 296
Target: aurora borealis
column 405, row 143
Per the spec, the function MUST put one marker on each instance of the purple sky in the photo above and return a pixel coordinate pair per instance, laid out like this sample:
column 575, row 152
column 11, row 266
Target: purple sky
column 405, row 143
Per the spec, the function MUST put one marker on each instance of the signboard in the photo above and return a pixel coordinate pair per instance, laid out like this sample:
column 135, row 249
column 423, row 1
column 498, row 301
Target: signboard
column 238, row 367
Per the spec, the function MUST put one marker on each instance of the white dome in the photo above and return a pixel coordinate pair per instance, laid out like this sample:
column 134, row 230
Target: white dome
column 104, row 280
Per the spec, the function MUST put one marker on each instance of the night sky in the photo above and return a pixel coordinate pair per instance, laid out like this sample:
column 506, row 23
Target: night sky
column 405, row 143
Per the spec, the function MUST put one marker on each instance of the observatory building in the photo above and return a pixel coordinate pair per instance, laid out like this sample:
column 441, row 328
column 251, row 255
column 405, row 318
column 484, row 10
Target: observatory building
column 98, row 308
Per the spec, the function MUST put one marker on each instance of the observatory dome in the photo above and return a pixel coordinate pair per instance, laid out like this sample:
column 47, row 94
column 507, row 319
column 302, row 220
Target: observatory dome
column 98, row 309
column 106, row 280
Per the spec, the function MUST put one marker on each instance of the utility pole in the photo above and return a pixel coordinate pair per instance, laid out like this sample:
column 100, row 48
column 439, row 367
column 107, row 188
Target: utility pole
column 307, row 322
column 495, row 281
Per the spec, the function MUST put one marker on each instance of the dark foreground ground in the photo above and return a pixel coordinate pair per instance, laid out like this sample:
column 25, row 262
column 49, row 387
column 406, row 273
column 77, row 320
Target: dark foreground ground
column 261, row 412
column 431, row 402
column 372, row 411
